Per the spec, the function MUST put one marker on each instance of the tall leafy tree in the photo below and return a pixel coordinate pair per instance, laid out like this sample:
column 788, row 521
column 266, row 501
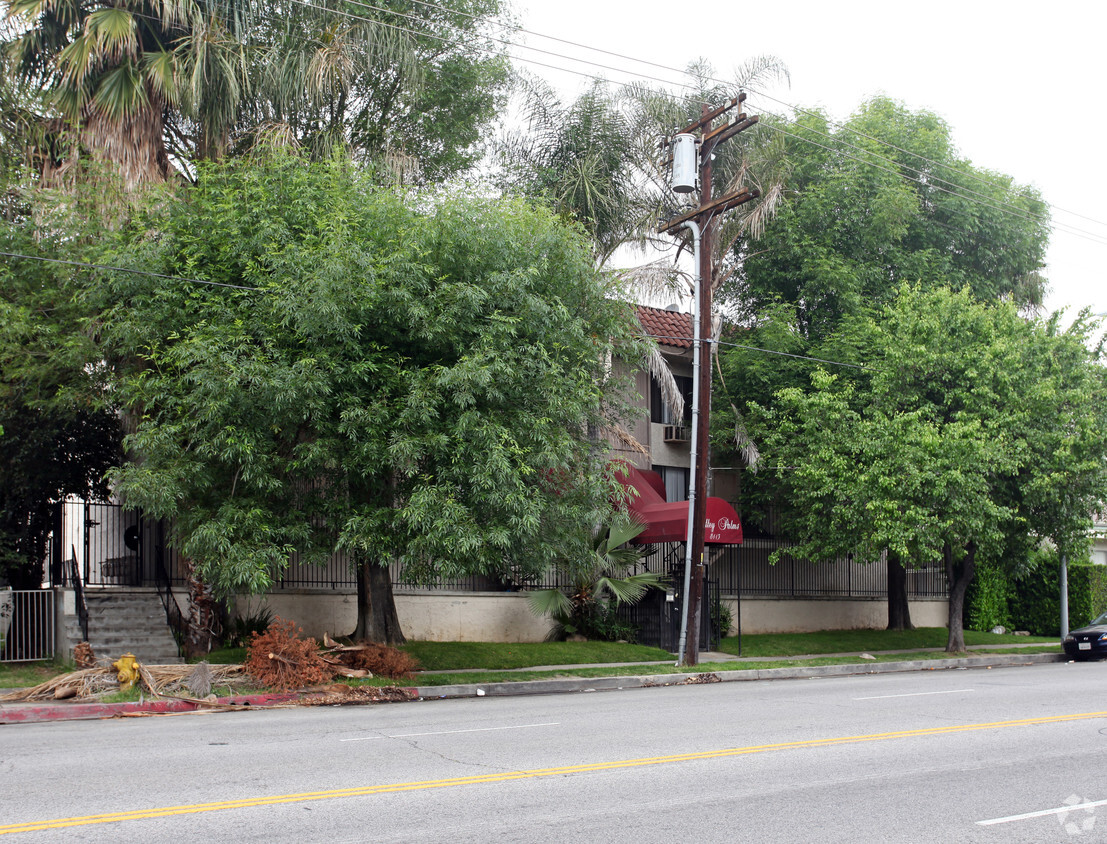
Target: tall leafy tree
column 416, row 83
column 409, row 387
column 970, row 425
column 881, row 201
column 56, row 436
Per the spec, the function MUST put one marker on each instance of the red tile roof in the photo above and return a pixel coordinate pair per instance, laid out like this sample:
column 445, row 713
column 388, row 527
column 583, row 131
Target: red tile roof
column 668, row 327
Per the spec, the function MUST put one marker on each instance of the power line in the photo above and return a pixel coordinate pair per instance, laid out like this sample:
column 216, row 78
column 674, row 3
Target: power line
column 949, row 167
column 1067, row 228
column 962, row 191
column 461, row 40
column 793, row 107
column 982, row 199
column 109, row 268
column 930, row 177
column 766, row 351
column 1009, row 209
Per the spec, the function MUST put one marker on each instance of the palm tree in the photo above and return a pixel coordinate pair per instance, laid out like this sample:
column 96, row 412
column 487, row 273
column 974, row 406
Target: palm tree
column 108, row 70
column 584, row 159
column 599, row 584
column 145, row 83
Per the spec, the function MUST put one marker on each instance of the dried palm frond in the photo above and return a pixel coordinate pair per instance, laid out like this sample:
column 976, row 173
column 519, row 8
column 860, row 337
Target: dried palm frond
column 657, row 279
column 658, row 368
column 157, row 679
column 625, row 437
column 84, row 683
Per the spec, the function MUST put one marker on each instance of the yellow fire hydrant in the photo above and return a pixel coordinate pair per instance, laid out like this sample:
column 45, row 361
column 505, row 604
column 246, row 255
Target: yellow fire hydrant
column 127, row 666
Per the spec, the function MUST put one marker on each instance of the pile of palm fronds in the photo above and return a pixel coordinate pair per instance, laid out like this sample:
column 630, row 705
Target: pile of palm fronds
column 193, row 681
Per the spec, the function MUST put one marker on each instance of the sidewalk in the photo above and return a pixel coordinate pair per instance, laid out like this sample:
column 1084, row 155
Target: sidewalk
column 716, row 657
column 37, row 712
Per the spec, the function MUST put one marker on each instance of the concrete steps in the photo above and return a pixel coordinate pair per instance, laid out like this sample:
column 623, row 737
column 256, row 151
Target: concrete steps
column 125, row 620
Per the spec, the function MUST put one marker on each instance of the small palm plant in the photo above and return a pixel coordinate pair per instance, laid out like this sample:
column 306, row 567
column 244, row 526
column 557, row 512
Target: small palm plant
column 600, row 584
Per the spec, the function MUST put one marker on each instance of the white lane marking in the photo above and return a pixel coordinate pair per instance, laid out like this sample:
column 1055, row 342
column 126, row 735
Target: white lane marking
column 1043, row 813
column 449, row 732
column 917, row 694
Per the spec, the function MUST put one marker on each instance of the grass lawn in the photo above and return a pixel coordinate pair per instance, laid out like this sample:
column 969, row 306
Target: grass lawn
column 21, row 675
column 849, row 641
column 481, row 677
column 492, row 656
column 224, row 656
column 490, row 662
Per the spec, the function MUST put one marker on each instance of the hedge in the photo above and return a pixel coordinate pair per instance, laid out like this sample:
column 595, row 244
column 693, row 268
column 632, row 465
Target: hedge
column 1037, row 603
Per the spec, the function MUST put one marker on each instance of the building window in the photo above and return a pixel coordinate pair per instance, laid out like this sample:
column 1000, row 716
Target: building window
column 660, row 412
column 676, row 482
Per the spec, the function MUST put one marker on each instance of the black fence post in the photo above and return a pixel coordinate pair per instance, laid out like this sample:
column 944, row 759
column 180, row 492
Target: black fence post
column 57, row 575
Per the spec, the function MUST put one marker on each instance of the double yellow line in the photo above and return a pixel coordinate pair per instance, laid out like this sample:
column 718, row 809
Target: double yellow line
column 507, row 776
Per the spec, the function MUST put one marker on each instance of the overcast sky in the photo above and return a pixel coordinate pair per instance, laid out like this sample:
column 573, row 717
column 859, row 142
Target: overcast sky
column 1021, row 85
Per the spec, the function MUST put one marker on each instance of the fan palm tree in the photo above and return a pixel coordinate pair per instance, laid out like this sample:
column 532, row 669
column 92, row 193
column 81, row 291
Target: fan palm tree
column 108, row 70
column 147, row 82
column 599, row 584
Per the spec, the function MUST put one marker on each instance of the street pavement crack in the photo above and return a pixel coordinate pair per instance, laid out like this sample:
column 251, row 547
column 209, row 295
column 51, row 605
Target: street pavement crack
column 414, row 745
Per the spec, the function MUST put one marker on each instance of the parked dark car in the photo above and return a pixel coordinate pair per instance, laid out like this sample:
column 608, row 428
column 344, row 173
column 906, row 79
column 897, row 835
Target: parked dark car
column 1088, row 642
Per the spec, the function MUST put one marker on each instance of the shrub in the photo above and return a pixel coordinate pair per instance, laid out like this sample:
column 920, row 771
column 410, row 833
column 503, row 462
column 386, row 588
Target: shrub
column 1037, row 603
column 722, row 619
column 988, row 602
column 601, row 622
column 245, row 626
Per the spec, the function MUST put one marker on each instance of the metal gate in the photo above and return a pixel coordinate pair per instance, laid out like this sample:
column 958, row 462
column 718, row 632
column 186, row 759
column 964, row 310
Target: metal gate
column 26, row 625
column 111, row 546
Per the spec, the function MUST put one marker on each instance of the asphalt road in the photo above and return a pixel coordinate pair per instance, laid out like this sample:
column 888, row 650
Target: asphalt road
column 1001, row 755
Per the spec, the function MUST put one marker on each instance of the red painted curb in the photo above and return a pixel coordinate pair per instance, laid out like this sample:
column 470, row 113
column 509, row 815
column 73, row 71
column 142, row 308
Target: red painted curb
column 26, row 713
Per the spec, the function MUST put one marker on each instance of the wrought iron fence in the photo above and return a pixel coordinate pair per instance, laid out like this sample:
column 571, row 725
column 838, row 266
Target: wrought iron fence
column 121, row 547
column 746, row 570
column 26, row 625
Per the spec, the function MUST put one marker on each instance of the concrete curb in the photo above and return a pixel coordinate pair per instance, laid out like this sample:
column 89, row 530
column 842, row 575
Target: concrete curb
column 594, row 684
column 30, row 713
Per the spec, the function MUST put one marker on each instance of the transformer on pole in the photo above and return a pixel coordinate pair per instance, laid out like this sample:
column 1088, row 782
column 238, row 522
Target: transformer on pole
column 706, row 216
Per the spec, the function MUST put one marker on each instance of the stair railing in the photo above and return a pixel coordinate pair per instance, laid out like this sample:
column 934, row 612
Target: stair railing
column 173, row 615
column 79, row 592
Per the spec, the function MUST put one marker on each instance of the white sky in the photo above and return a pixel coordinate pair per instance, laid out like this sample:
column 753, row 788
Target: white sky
column 1021, row 84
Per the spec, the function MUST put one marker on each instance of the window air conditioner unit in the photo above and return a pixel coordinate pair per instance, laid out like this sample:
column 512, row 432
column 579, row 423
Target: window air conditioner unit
column 677, row 434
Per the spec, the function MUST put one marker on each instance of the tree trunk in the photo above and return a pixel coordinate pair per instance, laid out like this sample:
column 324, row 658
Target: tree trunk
column 377, row 620
column 899, row 611
column 134, row 146
column 203, row 616
column 959, row 576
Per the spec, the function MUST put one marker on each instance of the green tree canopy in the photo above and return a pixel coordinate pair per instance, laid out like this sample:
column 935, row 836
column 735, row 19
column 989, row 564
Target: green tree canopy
column 969, row 426
column 408, row 386
column 881, row 201
column 867, row 207
column 57, row 437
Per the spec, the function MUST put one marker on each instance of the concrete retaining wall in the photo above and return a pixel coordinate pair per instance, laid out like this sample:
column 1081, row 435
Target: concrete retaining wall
column 786, row 615
column 506, row 616
column 436, row 617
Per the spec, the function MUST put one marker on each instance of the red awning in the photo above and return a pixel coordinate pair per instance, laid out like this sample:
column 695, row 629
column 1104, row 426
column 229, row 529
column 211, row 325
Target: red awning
column 667, row 521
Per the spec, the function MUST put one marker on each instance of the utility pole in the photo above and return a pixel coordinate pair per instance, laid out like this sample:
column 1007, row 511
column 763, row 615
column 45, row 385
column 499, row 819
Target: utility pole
column 709, row 132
